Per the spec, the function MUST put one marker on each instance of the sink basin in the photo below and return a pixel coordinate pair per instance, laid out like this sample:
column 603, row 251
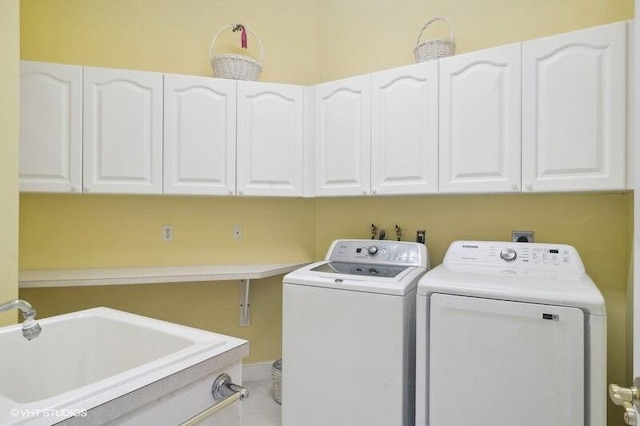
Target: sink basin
column 87, row 358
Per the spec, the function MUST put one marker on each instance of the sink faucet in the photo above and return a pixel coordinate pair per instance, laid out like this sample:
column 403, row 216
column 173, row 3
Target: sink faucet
column 30, row 328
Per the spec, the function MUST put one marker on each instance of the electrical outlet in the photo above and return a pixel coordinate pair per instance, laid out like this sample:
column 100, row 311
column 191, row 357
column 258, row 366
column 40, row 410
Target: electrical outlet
column 167, row 233
column 522, row 236
column 237, row 232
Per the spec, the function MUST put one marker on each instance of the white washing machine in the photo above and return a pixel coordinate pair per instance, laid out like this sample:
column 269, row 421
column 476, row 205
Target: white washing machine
column 510, row 334
column 348, row 344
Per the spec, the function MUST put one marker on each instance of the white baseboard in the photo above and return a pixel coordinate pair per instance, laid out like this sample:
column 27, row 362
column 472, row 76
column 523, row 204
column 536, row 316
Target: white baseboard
column 256, row 372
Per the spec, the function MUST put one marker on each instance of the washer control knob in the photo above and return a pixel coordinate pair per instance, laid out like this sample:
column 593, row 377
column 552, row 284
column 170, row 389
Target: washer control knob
column 373, row 250
column 508, row 254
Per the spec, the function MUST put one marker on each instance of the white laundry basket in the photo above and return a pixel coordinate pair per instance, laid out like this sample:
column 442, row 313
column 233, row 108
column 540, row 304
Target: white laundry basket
column 233, row 66
column 436, row 47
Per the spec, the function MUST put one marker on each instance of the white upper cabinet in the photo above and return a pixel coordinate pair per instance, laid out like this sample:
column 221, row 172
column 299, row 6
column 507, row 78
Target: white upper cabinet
column 480, row 121
column 545, row 115
column 574, row 111
column 50, row 127
column 122, row 147
column 270, row 144
column 199, row 135
column 343, row 136
column 404, row 135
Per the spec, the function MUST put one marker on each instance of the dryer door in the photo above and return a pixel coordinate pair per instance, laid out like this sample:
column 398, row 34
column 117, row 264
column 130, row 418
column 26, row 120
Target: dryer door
column 501, row 363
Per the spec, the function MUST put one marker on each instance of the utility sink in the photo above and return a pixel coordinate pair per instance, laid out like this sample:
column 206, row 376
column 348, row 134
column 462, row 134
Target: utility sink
column 88, row 358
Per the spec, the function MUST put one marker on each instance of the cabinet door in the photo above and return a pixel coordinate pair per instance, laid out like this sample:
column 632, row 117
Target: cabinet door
column 480, row 121
column 574, row 111
column 122, row 131
column 342, row 136
column 270, row 139
column 199, row 135
column 404, row 137
column 50, row 127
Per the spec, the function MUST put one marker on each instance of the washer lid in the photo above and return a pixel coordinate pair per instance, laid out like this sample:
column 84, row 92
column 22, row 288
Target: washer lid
column 390, row 279
column 367, row 270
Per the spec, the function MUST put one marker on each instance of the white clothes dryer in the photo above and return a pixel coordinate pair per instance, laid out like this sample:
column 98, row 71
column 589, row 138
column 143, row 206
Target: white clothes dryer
column 348, row 344
column 510, row 334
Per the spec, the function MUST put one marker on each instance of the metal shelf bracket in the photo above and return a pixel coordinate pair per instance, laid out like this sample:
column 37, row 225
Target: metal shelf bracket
column 245, row 304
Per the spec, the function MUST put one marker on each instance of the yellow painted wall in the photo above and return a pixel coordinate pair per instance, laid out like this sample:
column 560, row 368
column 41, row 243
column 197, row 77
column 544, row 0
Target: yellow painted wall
column 171, row 36
column 9, row 126
column 378, row 34
column 305, row 42
column 85, row 231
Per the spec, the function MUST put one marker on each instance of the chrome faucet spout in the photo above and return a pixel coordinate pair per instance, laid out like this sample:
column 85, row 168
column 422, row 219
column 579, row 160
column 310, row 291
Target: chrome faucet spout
column 30, row 328
column 24, row 306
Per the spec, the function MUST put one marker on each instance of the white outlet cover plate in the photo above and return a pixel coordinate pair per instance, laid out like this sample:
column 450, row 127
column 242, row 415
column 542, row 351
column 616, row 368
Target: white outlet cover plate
column 237, row 232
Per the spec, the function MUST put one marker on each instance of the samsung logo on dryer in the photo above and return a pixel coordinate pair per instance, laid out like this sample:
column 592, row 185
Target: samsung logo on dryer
column 469, row 246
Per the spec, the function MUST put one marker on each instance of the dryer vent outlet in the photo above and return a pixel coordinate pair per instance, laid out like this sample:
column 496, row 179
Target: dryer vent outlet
column 522, row 236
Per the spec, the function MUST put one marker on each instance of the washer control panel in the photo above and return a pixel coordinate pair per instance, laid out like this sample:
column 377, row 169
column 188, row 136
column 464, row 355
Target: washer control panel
column 515, row 255
column 386, row 252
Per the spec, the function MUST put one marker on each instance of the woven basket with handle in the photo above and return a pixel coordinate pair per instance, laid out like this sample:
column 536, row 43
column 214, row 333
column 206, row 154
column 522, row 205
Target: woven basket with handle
column 233, row 66
column 436, row 47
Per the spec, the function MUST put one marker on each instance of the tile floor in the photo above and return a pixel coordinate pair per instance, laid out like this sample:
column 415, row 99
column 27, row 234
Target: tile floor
column 260, row 409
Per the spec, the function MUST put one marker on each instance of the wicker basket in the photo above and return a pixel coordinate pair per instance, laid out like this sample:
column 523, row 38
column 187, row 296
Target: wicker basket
column 437, row 47
column 237, row 67
column 276, row 381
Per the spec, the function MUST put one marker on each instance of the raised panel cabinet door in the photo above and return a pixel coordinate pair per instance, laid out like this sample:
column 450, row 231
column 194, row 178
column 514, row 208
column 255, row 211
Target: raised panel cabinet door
column 122, row 131
column 404, row 136
column 574, row 110
column 343, row 137
column 270, row 139
column 480, row 121
column 50, row 127
column 199, row 135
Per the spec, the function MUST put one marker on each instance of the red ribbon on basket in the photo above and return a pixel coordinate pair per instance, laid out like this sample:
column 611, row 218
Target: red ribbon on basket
column 243, row 35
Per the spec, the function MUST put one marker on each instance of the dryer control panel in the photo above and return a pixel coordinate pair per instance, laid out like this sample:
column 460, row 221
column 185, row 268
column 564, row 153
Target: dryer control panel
column 386, row 252
column 559, row 257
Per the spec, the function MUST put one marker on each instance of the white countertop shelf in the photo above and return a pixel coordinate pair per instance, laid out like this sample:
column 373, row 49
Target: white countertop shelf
column 150, row 275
